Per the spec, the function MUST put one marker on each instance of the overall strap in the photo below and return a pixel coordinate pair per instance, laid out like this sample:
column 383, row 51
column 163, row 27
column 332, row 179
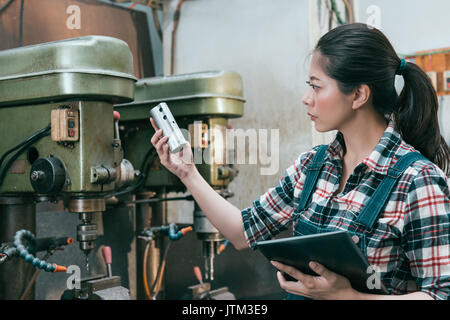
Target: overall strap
column 372, row 209
column 312, row 174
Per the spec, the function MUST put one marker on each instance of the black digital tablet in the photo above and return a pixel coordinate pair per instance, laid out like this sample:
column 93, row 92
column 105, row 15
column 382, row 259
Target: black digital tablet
column 334, row 250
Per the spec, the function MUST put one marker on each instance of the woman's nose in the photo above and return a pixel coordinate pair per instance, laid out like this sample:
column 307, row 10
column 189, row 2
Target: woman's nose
column 307, row 98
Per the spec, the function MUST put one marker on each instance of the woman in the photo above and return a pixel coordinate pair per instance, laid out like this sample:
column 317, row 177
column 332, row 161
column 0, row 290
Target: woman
column 406, row 238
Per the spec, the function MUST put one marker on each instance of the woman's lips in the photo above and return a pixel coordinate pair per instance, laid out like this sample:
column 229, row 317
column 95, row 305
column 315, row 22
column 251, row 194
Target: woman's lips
column 313, row 118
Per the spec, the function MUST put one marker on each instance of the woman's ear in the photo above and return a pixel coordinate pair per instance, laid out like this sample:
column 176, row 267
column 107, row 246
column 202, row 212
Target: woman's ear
column 360, row 96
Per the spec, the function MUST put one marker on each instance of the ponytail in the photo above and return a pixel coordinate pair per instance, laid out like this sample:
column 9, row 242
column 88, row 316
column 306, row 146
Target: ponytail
column 416, row 117
column 355, row 54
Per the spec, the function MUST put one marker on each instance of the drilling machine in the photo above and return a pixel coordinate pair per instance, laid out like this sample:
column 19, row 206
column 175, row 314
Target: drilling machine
column 57, row 128
column 201, row 103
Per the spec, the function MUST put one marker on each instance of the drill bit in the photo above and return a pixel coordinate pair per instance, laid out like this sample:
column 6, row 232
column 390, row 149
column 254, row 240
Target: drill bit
column 87, row 261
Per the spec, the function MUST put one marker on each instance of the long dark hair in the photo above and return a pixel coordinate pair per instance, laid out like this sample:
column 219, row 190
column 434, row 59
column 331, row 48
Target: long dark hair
column 355, row 54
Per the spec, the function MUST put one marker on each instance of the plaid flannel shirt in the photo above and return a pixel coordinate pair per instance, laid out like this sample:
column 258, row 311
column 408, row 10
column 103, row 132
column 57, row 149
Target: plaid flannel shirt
column 409, row 243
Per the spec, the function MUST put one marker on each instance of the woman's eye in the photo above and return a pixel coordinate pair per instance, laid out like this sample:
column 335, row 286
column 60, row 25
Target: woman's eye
column 312, row 86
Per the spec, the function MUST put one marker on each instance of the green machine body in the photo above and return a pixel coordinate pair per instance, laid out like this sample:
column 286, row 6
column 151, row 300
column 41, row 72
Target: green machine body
column 201, row 104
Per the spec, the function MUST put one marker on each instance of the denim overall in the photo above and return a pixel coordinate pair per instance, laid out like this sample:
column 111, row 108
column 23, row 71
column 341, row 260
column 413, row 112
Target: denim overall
column 370, row 212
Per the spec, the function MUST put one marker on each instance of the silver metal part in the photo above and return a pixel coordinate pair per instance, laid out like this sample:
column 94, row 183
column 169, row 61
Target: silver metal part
column 101, row 288
column 211, row 238
column 102, row 175
column 126, row 174
column 165, row 121
column 86, row 233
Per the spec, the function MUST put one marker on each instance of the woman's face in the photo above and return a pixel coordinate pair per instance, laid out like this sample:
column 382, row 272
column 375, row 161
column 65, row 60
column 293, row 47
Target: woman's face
column 328, row 107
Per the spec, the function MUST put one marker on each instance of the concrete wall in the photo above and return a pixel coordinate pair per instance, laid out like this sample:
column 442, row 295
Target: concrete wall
column 411, row 26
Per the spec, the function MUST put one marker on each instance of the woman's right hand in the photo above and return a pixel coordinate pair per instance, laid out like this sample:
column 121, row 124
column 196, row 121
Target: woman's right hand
column 180, row 164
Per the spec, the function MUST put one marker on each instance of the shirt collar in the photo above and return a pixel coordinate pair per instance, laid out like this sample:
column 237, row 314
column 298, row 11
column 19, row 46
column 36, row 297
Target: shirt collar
column 381, row 157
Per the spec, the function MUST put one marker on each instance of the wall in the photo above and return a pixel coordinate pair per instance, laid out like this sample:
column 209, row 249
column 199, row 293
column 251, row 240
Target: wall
column 411, row 26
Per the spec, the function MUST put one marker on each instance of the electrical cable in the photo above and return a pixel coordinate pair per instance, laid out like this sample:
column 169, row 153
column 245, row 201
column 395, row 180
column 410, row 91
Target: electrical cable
column 336, row 11
column 21, row 23
column 155, row 19
column 349, row 9
column 6, row 5
column 144, row 270
column 145, row 166
column 157, row 24
column 21, row 144
column 160, row 275
column 176, row 19
column 21, row 148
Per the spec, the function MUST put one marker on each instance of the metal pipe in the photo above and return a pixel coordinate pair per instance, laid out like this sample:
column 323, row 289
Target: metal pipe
column 16, row 213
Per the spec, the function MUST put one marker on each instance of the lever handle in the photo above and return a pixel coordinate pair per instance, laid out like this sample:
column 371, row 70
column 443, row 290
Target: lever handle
column 107, row 255
column 198, row 274
column 116, row 115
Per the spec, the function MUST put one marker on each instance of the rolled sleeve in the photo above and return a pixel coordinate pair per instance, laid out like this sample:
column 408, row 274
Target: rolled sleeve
column 427, row 233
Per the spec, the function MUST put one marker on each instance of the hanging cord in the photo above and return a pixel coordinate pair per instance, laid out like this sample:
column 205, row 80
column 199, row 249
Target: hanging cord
column 174, row 234
column 155, row 19
column 336, row 12
column 21, row 147
column 160, row 275
column 350, row 14
column 6, row 5
column 176, row 19
column 21, row 23
column 144, row 269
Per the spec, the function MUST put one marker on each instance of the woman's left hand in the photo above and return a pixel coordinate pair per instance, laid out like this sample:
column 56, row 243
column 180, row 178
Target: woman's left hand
column 327, row 286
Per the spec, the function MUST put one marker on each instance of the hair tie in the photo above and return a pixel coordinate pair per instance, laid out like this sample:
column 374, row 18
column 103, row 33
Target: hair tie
column 401, row 68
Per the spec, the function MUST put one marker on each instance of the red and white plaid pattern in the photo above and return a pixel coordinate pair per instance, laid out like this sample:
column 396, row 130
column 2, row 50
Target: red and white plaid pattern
column 410, row 240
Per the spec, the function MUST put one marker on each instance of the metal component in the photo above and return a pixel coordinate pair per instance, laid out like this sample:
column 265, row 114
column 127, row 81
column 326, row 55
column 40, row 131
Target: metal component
column 99, row 288
column 94, row 66
column 109, row 270
column 211, row 238
column 200, row 291
column 86, row 232
column 16, row 213
column 224, row 173
column 204, row 292
column 94, row 146
column 211, row 93
column 164, row 120
column 82, row 205
column 204, row 228
column 126, row 174
column 48, row 175
column 208, row 97
column 102, row 175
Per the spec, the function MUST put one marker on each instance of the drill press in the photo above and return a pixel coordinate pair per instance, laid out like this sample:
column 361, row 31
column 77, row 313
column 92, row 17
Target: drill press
column 201, row 103
column 71, row 85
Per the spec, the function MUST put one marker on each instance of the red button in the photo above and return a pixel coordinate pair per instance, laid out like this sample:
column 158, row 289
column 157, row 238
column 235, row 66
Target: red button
column 71, row 133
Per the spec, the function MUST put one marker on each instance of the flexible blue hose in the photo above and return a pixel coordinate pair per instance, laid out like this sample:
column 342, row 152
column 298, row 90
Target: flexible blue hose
column 24, row 252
